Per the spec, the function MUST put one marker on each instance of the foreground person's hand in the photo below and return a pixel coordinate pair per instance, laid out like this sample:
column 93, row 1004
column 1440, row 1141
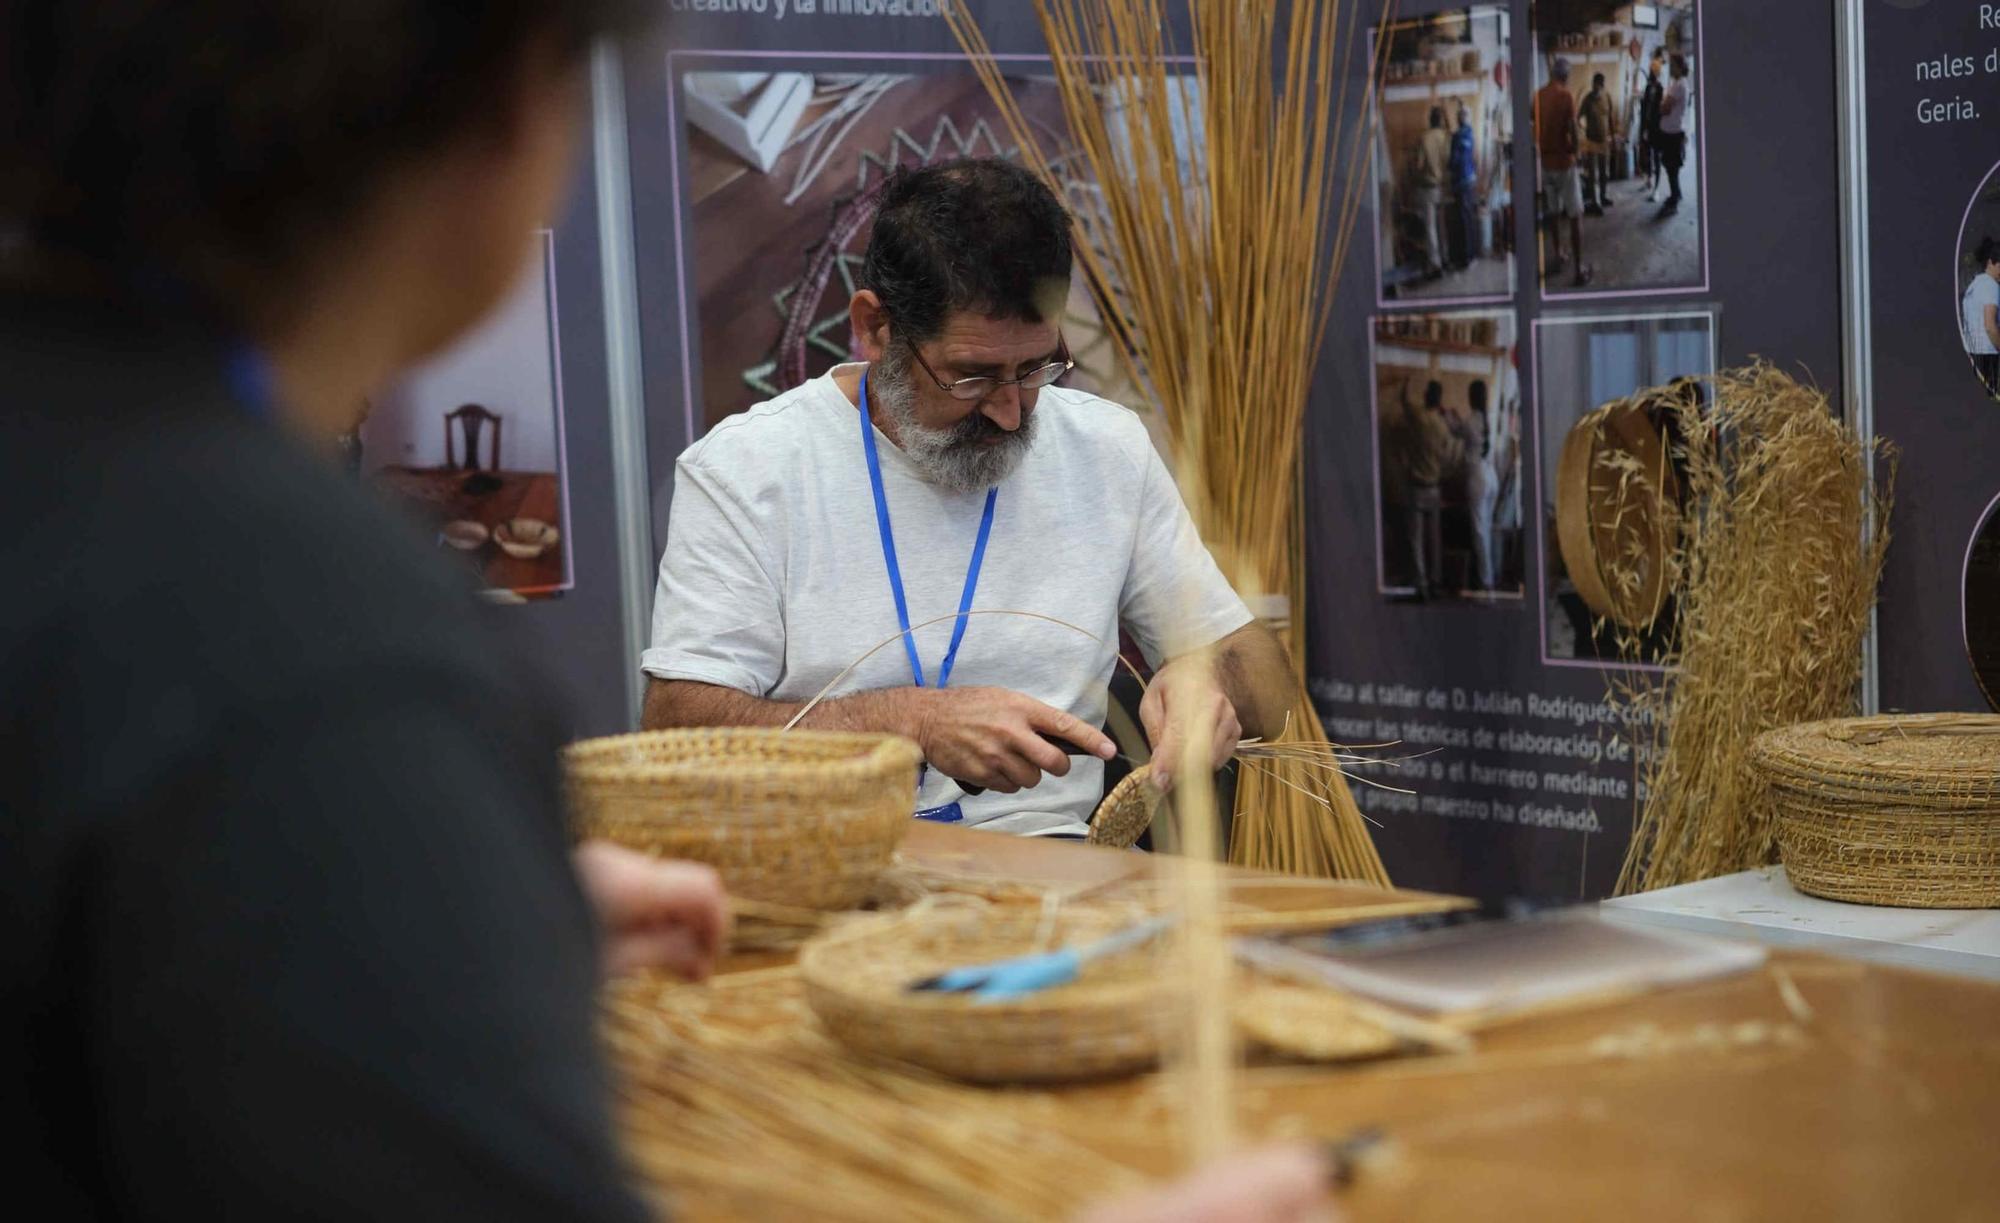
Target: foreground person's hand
column 1185, row 700
column 999, row 739
column 1275, row 1185
column 654, row 913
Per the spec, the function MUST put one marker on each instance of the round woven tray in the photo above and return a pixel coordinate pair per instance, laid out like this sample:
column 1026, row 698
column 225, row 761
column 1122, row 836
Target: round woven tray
column 1617, row 512
column 1107, row 1022
column 1306, row 1022
column 1126, row 812
column 800, row 818
column 1895, row 810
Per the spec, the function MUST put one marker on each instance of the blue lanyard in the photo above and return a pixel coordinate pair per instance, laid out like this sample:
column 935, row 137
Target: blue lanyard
column 896, row 572
column 248, row 375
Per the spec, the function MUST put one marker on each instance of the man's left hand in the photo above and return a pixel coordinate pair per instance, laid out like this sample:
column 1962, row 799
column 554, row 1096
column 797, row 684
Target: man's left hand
column 1185, row 700
column 654, row 913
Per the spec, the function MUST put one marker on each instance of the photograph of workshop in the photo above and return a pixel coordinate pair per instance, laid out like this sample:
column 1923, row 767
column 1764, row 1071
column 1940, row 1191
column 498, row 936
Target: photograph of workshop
column 1608, row 491
column 471, row 442
column 1979, row 283
column 1448, row 457
column 785, row 170
column 1443, row 156
column 1616, row 112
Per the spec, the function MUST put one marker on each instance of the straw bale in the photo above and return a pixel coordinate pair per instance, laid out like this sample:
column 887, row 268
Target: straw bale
column 1772, row 581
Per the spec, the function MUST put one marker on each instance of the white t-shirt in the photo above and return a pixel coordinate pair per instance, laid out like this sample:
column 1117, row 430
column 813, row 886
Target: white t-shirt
column 773, row 579
column 1984, row 291
column 1673, row 113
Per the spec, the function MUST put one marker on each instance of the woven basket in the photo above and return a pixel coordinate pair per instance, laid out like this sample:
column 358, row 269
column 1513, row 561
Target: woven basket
column 800, row 818
column 1108, row 1022
column 1898, row 810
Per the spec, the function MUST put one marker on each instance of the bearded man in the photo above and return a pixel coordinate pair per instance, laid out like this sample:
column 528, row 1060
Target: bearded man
column 949, row 474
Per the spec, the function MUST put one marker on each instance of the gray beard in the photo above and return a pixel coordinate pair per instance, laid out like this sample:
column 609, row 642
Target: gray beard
column 954, row 458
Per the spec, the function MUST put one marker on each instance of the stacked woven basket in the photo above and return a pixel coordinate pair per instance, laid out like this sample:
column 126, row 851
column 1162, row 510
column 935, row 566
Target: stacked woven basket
column 1896, row 810
column 805, row 819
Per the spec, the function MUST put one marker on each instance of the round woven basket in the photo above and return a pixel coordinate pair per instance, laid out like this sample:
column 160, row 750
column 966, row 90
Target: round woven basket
column 1616, row 512
column 800, row 818
column 1107, row 1022
column 1126, row 812
column 1895, row 810
column 1306, row 1022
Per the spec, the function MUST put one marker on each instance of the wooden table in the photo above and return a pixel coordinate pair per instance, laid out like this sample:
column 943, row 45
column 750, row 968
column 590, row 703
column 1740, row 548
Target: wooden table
column 438, row 495
column 1814, row 1088
column 1256, row 900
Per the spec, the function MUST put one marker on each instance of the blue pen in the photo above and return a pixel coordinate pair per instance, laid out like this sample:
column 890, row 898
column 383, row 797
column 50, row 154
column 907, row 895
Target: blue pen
column 1004, row 980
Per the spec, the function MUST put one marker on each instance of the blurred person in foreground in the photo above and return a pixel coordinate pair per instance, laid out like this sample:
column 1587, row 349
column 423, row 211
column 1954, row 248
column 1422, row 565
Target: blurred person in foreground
column 292, row 928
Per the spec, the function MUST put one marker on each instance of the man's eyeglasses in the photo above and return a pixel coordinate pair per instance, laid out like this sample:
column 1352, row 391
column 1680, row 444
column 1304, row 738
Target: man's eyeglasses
column 979, row 388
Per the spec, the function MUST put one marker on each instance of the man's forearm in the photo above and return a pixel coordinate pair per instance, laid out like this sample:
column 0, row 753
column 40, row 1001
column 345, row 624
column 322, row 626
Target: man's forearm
column 672, row 703
column 1256, row 675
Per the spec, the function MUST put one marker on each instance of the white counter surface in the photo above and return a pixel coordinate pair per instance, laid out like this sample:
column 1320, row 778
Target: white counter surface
column 1762, row 905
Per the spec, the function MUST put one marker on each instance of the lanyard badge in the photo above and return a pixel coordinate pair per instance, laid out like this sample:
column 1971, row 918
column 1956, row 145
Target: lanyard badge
column 950, row 813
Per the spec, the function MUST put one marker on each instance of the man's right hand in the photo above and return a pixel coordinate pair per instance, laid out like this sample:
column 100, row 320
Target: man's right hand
column 994, row 738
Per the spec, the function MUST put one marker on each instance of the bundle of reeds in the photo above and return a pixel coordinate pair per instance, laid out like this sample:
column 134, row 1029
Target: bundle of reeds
column 1226, row 191
column 1772, row 581
column 729, row 1098
column 732, row 1098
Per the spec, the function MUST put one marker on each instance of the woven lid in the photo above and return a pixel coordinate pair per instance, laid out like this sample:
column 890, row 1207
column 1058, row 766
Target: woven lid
column 1947, row 759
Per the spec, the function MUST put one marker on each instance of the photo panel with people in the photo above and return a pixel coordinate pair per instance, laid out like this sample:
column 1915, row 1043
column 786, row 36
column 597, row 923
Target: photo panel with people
column 1978, row 283
column 1620, row 171
column 471, row 442
column 1448, row 458
column 785, row 168
column 1443, row 157
column 1613, row 395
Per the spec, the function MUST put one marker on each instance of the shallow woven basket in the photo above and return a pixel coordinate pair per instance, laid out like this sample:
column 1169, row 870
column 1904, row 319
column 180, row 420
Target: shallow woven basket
column 801, row 818
column 1893, row 810
column 1107, row 1022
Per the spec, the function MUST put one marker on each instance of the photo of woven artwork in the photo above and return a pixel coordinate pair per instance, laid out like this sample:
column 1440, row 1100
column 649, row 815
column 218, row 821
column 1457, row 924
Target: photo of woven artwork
column 779, row 227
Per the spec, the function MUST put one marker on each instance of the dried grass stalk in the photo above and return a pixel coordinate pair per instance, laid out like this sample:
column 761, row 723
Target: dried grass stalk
column 1773, row 578
column 731, row 1099
column 1217, row 224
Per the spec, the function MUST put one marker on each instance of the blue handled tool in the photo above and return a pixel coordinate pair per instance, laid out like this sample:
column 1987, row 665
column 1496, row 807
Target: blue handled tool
column 1002, row 980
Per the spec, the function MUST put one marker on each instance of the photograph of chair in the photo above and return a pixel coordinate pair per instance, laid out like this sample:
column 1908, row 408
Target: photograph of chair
column 472, row 444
